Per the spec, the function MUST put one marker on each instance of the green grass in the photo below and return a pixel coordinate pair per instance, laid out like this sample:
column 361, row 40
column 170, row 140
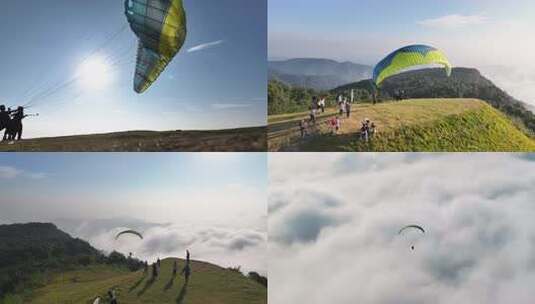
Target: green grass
column 424, row 125
column 208, row 284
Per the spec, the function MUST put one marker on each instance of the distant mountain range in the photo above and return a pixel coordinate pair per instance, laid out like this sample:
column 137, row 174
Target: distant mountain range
column 318, row 74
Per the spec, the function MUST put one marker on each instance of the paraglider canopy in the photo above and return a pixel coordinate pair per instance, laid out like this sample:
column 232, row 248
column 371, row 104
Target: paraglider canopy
column 130, row 232
column 409, row 57
column 160, row 26
column 417, row 228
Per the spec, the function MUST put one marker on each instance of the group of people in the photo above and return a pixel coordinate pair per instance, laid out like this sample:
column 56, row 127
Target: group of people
column 186, row 271
column 399, row 95
column 11, row 122
column 368, row 130
column 344, row 107
column 318, row 106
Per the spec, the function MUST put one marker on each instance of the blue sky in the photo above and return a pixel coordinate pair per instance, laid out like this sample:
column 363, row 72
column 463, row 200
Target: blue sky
column 213, row 203
column 221, row 86
column 488, row 35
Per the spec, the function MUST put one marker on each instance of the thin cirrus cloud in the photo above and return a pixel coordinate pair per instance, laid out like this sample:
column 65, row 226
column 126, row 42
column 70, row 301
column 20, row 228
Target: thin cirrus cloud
column 454, row 21
column 8, row 172
column 205, row 46
column 229, row 106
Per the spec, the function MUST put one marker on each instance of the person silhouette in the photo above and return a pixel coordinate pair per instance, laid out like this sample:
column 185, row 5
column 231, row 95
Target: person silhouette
column 187, row 272
column 15, row 125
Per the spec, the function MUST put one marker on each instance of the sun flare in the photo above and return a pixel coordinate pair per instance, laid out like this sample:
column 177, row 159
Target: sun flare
column 94, row 73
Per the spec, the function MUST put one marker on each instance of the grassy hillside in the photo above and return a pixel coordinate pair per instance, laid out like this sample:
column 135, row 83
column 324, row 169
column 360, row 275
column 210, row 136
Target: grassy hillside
column 246, row 139
column 208, row 284
column 410, row 125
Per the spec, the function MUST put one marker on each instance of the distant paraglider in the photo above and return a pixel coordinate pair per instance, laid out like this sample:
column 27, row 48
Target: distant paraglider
column 408, row 57
column 131, row 232
column 411, row 228
column 160, row 26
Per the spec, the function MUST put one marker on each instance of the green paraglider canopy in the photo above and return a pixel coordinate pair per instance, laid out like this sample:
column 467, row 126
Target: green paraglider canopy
column 132, row 232
column 409, row 57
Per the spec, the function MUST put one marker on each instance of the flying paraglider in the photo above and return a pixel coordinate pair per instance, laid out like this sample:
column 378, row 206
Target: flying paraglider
column 160, row 26
column 132, row 232
column 412, row 227
column 408, row 57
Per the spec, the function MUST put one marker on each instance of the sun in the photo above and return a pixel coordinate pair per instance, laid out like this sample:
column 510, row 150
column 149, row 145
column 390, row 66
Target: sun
column 94, row 73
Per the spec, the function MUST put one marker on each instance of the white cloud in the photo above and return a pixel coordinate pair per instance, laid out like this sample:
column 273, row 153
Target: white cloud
column 7, row 172
column 224, row 246
column 477, row 209
column 454, row 21
column 228, row 106
column 205, row 46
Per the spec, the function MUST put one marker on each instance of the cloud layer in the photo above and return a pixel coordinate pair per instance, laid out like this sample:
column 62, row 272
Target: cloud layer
column 223, row 245
column 334, row 222
column 454, row 21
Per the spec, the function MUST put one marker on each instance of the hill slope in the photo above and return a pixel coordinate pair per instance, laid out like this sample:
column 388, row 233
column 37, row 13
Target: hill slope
column 463, row 83
column 411, row 125
column 41, row 264
column 245, row 139
column 319, row 74
column 208, row 284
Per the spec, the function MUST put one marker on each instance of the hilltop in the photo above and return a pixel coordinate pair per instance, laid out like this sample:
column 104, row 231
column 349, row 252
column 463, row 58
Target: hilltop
column 232, row 140
column 209, row 284
column 463, row 83
column 409, row 125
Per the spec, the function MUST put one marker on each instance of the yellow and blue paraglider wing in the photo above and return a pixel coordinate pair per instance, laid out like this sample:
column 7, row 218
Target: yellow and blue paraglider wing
column 407, row 57
column 161, row 28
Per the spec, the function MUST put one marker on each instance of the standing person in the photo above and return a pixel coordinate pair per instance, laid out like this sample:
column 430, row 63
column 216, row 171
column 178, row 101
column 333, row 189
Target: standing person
column 348, row 109
column 146, row 267
column 187, row 256
column 322, row 104
column 113, row 297
column 338, row 124
column 302, row 128
column 187, row 272
column 372, row 130
column 5, row 119
column 332, row 124
column 15, row 125
column 154, row 271
column 313, row 115
column 158, row 262
column 341, row 108
column 175, row 268
column 364, row 132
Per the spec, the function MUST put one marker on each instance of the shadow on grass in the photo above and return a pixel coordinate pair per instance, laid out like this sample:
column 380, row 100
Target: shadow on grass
column 148, row 284
column 169, row 284
column 137, row 284
column 182, row 294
